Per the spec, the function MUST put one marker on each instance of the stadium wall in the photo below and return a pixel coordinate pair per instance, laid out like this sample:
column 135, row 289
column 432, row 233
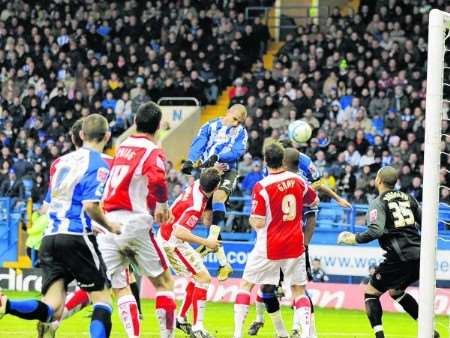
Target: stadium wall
column 184, row 123
column 324, row 295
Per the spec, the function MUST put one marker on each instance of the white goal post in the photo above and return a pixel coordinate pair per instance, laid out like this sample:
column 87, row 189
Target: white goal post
column 438, row 23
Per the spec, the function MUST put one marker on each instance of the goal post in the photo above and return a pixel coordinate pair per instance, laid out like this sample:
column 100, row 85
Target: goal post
column 438, row 23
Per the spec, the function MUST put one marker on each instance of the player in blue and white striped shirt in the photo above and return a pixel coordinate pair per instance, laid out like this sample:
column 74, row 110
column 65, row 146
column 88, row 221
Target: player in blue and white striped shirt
column 69, row 249
column 220, row 142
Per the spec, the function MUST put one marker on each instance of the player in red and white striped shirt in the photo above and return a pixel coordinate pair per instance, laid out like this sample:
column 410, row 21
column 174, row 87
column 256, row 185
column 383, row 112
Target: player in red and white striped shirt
column 184, row 260
column 137, row 177
column 278, row 202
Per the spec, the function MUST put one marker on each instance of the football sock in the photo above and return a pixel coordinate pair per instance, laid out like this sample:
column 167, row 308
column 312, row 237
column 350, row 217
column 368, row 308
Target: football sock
column 101, row 321
column 218, row 211
column 269, row 298
column 241, row 306
column 187, row 300
column 409, row 304
column 29, row 309
column 221, row 257
column 278, row 323
column 374, row 312
column 312, row 329
column 135, row 290
column 260, row 307
column 302, row 315
column 129, row 314
column 75, row 302
column 165, row 311
column 199, row 304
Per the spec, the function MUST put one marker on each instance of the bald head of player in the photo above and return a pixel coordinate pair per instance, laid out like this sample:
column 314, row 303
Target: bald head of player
column 94, row 132
column 386, row 179
column 75, row 133
column 291, row 159
column 235, row 116
column 274, row 156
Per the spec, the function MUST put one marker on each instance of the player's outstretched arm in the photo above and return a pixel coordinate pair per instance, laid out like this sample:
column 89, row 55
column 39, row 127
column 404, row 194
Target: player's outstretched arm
column 185, row 235
column 375, row 220
column 329, row 192
column 96, row 214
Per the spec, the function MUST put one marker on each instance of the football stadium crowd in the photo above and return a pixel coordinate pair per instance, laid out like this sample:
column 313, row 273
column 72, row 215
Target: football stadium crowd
column 359, row 81
column 61, row 60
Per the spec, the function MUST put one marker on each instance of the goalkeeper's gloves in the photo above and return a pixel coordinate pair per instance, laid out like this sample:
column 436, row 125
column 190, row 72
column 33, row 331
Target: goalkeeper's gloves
column 210, row 161
column 347, row 238
column 187, row 167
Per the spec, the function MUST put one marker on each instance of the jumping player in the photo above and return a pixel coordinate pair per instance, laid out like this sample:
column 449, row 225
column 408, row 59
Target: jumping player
column 138, row 171
column 276, row 215
column 69, row 249
column 184, row 260
column 301, row 164
column 222, row 141
column 394, row 218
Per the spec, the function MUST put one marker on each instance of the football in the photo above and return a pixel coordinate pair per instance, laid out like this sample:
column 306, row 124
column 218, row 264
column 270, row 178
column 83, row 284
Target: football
column 299, row 131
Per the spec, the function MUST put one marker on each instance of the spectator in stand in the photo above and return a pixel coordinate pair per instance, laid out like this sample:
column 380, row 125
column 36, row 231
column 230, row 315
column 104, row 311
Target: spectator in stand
column 372, row 268
column 12, row 187
column 252, row 178
column 318, row 274
column 245, row 166
column 347, row 182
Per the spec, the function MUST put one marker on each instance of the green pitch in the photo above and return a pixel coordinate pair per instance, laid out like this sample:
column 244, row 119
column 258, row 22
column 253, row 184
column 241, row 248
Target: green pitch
column 219, row 321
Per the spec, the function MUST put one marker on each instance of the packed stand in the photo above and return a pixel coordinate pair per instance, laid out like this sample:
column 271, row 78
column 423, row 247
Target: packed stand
column 361, row 84
column 67, row 59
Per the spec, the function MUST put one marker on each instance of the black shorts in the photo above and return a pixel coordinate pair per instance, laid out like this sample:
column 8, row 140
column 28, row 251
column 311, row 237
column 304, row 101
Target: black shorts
column 227, row 184
column 395, row 275
column 72, row 257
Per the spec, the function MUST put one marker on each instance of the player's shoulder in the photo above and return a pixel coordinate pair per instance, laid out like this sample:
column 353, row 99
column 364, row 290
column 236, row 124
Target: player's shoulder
column 376, row 203
column 277, row 178
column 213, row 122
column 304, row 158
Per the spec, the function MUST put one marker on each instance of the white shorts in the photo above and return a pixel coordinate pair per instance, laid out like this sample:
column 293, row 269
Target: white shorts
column 136, row 244
column 183, row 259
column 261, row 270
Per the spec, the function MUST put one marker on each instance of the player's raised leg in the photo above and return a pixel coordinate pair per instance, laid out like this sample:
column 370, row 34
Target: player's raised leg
column 32, row 309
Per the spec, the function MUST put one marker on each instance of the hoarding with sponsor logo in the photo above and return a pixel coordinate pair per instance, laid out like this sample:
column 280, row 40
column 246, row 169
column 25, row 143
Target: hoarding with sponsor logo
column 335, row 259
column 324, row 295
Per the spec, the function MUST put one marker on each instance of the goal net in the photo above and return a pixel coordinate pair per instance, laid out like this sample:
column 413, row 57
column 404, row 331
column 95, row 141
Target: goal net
column 437, row 103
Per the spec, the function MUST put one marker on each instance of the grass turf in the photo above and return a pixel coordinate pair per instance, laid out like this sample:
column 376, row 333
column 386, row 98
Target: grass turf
column 219, row 321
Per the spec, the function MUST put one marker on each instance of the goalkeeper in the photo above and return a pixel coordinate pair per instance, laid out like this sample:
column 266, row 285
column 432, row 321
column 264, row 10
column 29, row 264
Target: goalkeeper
column 394, row 219
column 220, row 142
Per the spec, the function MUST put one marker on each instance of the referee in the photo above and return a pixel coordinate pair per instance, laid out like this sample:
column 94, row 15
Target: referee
column 394, row 219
